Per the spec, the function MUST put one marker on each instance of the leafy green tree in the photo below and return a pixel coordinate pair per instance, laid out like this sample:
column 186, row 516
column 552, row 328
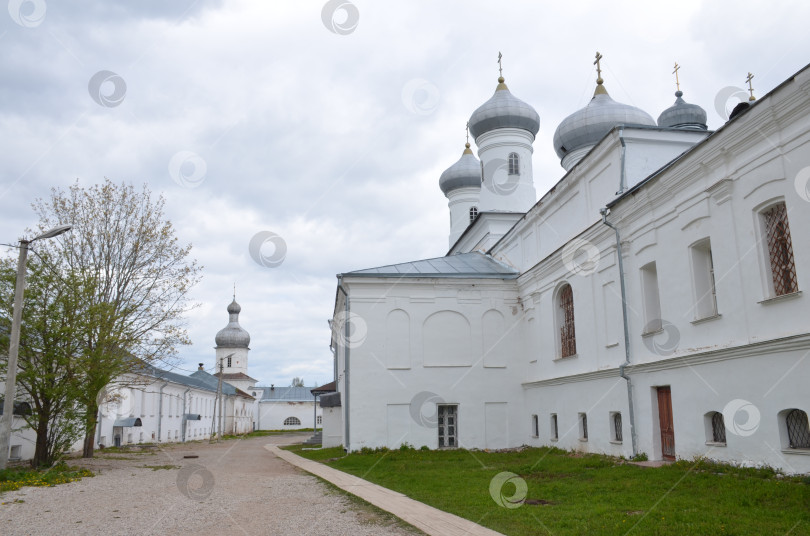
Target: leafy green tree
column 54, row 314
column 126, row 251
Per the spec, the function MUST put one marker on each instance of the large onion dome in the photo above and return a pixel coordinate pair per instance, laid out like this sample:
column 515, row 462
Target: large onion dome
column 233, row 335
column 683, row 115
column 584, row 128
column 465, row 173
column 503, row 110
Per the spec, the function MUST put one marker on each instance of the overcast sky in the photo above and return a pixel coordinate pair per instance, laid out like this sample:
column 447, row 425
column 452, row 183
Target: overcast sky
column 329, row 125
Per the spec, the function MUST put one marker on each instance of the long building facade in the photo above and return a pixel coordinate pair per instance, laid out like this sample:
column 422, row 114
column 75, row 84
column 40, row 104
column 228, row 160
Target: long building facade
column 650, row 303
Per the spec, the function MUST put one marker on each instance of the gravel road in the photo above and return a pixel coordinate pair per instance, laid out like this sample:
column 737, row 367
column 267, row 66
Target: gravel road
column 234, row 487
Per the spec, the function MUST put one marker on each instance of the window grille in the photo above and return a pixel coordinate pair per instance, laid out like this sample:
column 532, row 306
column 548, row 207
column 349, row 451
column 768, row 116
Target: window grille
column 473, row 213
column 292, row 421
column 718, row 428
column 319, row 419
column 617, row 426
column 568, row 341
column 229, row 361
column 447, row 416
column 797, row 429
column 554, row 434
column 780, row 250
column 514, row 164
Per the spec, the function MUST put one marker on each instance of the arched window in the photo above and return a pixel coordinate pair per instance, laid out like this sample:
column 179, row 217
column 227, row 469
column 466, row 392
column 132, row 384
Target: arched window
column 292, row 421
column 616, row 422
column 514, row 164
column 797, row 429
column 473, row 213
column 565, row 321
column 718, row 428
column 780, row 250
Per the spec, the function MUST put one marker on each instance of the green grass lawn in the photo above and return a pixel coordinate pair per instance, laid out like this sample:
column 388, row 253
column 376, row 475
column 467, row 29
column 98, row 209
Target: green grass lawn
column 588, row 494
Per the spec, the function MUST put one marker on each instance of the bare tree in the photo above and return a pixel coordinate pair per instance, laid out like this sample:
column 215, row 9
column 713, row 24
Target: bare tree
column 127, row 252
column 297, row 382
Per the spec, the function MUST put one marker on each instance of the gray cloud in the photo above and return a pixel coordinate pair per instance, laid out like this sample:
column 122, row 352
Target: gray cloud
column 304, row 132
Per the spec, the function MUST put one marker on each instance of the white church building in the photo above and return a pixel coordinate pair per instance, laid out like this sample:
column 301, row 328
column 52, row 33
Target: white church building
column 651, row 302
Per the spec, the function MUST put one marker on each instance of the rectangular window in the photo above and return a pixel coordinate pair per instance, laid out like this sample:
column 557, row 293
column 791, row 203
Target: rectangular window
column 652, row 303
column 448, row 426
column 16, row 452
column 229, row 361
column 780, row 250
column 554, row 434
column 535, row 426
column 703, row 279
column 583, row 427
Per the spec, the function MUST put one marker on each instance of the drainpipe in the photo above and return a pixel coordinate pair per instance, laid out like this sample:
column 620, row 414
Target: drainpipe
column 623, row 174
column 346, row 336
column 184, row 414
column 160, row 410
column 633, row 438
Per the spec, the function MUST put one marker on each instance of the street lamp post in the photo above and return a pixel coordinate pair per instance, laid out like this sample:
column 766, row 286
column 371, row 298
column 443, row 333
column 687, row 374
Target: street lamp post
column 14, row 343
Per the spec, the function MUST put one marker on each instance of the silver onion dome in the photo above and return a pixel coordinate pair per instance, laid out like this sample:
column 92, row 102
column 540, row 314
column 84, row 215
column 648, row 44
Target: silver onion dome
column 683, row 115
column 465, row 173
column 590, row 124
column 233, row 335
column 503, row 110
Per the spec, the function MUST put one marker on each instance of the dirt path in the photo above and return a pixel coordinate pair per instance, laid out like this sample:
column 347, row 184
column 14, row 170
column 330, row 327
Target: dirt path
column 234, row 487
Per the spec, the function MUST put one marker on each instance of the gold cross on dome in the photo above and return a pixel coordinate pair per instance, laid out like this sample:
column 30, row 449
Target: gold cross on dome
column 598, row 65
column 675, row 72
column 750, row 87
column 500, row 65
column 468, row 132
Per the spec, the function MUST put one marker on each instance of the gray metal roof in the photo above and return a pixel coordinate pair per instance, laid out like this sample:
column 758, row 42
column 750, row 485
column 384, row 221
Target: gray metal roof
column 473, row 265
column 683, row 115
column 465, row 173
column 503, row 110
column 287, row 394
column 590, row 124
column 233, row 335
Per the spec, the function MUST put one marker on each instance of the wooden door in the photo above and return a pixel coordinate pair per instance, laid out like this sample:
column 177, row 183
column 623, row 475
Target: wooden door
column 665, row 423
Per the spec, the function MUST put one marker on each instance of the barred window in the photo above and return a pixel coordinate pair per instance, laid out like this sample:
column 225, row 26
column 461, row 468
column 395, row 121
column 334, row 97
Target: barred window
column 292, row 421
column 229, row 361
column 568, row 340
column 583, row 426
column 617, row 427
column 473, row 213
column 319, row 419
column 780, row 250
column 718, row 428
column 797, row 429
column 514, row 164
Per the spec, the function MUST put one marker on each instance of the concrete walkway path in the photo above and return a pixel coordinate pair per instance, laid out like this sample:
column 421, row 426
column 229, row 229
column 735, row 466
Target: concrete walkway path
column 426, row 518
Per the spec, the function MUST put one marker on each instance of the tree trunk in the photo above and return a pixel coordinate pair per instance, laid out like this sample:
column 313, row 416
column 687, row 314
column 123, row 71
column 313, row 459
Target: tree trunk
column 41, row 456
column 90, row 430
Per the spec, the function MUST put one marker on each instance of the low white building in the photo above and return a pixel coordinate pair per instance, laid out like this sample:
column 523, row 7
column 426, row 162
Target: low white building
column 158, row 406
column 285, row 408
column 650, row 302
